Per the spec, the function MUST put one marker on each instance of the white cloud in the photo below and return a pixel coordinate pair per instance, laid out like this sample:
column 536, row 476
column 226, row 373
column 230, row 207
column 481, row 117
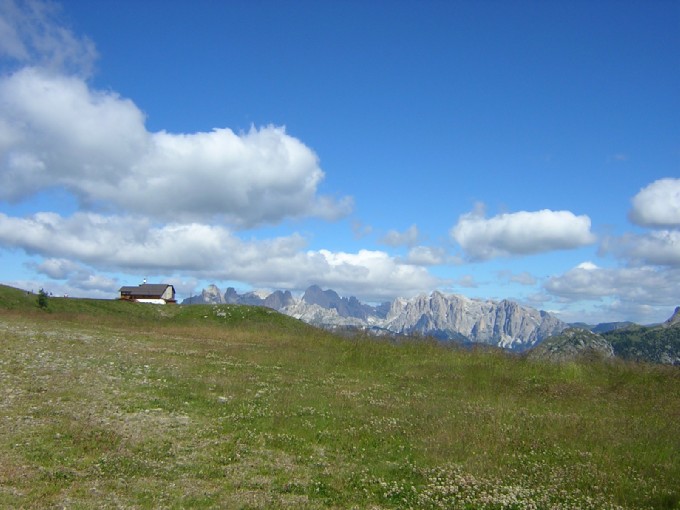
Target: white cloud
column 55, row 131
column 32, row 33
column 658, row 204
column 427, row 256
column 633, row 285
column 595, row 294
column 11, row 45
column 523, row 278
column 360, row 229
column 134, row 244
column 96, row 287
column 537, row 300
column 520, row 233
column 94, row 282
column 407, row 238
column 373, row 275
column 58, row 269
column 77, row 276
column 66, row 135
column 660, row 247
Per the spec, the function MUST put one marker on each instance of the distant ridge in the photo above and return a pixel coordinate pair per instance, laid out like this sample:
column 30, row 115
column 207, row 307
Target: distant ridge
column 447, row 317
column 605, row 327
column 602, row 327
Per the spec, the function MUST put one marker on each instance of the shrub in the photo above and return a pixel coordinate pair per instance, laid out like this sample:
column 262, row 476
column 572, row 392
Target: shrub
column 42, row 299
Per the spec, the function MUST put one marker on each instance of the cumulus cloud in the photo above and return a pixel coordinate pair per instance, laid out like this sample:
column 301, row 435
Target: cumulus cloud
column 135, row 244
column 659, row 247
column 520, row 233
column 58, row 269
column 657, row 205
column 56, row 131
column 63, row 134
column 160, row 203
column 127, row 242
column 407, row 238
column 632, row 285
column 77, row 278
column 373, row 275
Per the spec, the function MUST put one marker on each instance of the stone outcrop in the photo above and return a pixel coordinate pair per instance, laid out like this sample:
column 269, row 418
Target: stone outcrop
column 572, row 344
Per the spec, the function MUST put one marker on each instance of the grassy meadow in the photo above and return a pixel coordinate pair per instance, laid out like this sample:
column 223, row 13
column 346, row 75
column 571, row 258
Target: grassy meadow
column 105, row 404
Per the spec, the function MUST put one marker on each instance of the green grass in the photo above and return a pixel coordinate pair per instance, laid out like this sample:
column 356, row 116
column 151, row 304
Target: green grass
column 105, row 404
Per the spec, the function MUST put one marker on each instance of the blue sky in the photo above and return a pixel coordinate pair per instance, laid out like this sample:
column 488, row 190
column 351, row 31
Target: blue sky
column 522, row 150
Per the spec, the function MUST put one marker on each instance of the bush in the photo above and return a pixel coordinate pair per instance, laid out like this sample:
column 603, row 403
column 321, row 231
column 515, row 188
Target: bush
column 42, row 299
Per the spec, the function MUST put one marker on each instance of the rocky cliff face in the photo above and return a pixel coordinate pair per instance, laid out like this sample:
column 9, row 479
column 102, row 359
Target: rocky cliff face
column 504, row 324
column 211, row 295
column 447, row 317
column 278, row 300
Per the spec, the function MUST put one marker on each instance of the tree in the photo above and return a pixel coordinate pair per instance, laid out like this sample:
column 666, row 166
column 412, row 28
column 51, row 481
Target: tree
column 42, row 299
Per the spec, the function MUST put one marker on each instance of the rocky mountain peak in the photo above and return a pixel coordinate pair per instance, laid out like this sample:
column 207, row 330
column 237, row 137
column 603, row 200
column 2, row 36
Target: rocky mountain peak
column 212, row 295
column 345, row 307
column 314, row 295
column 231, row 296
column 278, row 300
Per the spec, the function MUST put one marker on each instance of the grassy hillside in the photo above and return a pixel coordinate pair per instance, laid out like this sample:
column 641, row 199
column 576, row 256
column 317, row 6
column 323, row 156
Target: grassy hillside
column 657, row 344
column 108, row 405
column 115, row 312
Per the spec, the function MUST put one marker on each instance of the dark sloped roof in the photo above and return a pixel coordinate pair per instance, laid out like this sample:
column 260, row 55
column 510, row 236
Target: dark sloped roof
column 146, row 289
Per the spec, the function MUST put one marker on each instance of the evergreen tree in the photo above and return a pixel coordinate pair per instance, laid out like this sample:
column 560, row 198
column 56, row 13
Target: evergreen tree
column 42, row 299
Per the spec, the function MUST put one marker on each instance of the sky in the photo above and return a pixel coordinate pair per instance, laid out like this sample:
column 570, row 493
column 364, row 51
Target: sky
column 522, row 150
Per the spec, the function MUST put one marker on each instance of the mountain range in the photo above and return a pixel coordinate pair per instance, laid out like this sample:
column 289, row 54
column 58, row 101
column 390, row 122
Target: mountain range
column 446, row 317
column 455, row 318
